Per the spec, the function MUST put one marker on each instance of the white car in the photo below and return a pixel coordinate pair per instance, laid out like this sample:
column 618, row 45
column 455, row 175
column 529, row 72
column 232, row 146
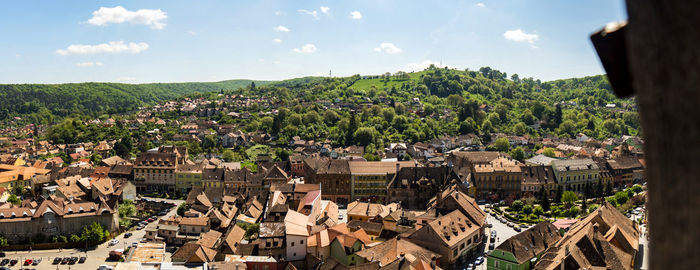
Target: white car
column 104, row 267
column 113, row 242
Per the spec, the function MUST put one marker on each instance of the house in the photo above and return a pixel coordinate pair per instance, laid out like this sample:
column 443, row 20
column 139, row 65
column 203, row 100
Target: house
column 413, row 187
column 232, row 239
column 344, row 247
column 497, row 179
column 372, row 229
column 540, row 160
column 604, row 239
column 396, row 249
column 574, row 174
column 333, row 176
column 296, row 234
column 625, row 170
column 368, row 180
column 191, row 228
column 522, row 250
column 55, row 217
column 193, row 252
column 536, row 178
column 453, row 236
column 364, row 211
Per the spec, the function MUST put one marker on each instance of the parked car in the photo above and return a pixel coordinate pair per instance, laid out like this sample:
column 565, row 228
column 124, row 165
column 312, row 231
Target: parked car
column 127, row 235
column 13, row 262
column 56, row 260
column 73, row 260
column 4, row 262
column 134, row 244
column 27, row 262
column 82, row 259
column 104, row 267
column 492, row 245
column 36, row 261
column 113, row 242
column 2, row 254
column 479, row 260
column 65, row 260
column 517, row 228
column 489, row 225
column 150, row 220
column 510, row 224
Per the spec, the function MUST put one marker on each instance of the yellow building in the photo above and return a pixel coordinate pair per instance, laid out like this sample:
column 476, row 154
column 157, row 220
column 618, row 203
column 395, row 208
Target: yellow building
column 188, row 176
column 12, row 176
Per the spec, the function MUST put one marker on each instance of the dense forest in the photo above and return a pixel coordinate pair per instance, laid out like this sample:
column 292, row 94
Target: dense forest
column 48, row 103
column 399, row 107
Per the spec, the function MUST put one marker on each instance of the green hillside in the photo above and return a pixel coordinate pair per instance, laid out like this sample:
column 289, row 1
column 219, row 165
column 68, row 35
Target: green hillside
column 47, row 103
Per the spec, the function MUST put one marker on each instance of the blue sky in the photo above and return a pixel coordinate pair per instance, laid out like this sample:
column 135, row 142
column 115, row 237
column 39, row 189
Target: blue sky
column 175, row 41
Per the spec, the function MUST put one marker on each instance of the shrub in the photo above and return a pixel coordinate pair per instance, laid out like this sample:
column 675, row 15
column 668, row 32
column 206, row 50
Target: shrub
column 527, row 209
column 569, row 197
column 612, row 201
column 592, row 207
column 517, row 205
column 621, row 197
column 573, row 211
column 637, row 188
column 538, row 210
column 74, row 238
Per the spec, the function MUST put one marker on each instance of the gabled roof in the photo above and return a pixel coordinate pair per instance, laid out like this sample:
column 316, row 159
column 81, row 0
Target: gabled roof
column 390, row 250
column 530, row 243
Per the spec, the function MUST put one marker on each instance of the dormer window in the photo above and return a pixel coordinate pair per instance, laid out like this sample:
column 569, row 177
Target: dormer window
column 70, row 211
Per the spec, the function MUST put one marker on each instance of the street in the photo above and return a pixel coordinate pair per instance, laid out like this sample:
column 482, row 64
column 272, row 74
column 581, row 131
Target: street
column 96, row 255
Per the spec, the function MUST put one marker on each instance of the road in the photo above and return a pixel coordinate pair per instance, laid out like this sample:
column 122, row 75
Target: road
column 503, row 232
column 96, row 255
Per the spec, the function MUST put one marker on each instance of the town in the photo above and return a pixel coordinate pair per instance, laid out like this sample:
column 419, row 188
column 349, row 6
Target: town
column 454, row 202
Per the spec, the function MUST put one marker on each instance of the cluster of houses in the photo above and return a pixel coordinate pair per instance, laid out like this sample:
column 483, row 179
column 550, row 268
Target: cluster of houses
column 290, row 226
column 604, row 239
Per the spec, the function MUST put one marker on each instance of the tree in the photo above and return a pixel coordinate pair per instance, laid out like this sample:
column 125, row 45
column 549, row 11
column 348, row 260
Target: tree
column 364, row 135
column 539, row 210
column 502, row 144
column 549, row 152
column 74, row 238
column 3, row 242
column 126, row 209
column 13, row 199
column 519, row 128
column 573, row 211
column 518, row 153
column 621, row 197
column 527, row 209
column 228, row 155
column 94, row 233
column 599, row 189
column 517, row 205
column 350, row 133
column 569, row 198
column 181, row 209
column 250, row 229
column 609, row 189
column 544, row 199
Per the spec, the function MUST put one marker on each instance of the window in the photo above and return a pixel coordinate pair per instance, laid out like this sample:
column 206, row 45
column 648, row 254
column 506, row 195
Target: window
column 301, row 242
column 292, row 243
column 496, row 264
column 454, row 253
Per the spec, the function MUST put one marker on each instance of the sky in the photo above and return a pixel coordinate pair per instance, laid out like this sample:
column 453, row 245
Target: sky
column 179, row 41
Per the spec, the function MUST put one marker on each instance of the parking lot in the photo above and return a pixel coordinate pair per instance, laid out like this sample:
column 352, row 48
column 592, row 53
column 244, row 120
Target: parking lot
column 95, row 256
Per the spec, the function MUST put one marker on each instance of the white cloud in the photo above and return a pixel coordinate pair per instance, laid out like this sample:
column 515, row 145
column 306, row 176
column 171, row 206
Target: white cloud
column 89, row 64
column 518, row 35
column 277, row 40
column 307, row 48
column 325, row 10
column 278, row 13
column 356, row 15
column 276, row 62
column 152, row 17
column 261, row 60
column 126, row 79
column 313, row 13
column 192, row 33
column 281, row 28
column 481, row 5
column 387, row 47
column 111, row 47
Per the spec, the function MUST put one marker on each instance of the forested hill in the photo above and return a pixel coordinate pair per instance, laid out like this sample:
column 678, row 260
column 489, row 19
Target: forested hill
column 47, row 103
